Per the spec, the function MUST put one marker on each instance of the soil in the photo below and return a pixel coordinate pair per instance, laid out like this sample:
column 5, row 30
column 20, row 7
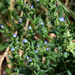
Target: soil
column 4, row 66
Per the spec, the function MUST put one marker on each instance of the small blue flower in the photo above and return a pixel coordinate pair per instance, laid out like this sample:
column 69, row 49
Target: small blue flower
column 42, row 23
column 14, row 35
column 54, row 5
column 25, row 40
column 36, row 51
column 37, row 0
column 30, row 60
column 26, row 4
column 27, row 57
column 5, row 28
column 45, row 42
column 21, row 20
column 37, row 56
column 12, row 49
column 37, row 45
column 32, row 6
column 47, row 49
column 17, row 41
column 61, row 19
column 29, row 3
column 1, row 26
column 30, row 27
column 27, row 61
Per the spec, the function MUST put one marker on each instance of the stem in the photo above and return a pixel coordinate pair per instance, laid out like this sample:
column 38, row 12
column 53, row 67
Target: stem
column 64, row 64
column 11, row 12
column 18, row 71
column 2, row 22
column 68, row 21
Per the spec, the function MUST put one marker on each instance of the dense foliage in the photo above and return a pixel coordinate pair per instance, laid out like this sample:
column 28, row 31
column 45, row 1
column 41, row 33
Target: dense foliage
column 47, row 43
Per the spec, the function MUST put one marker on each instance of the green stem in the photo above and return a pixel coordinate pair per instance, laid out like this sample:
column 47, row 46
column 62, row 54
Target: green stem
column 18, row 71
column 68, row 20
column 2, row 22
column 65, row 8
column 50, row 38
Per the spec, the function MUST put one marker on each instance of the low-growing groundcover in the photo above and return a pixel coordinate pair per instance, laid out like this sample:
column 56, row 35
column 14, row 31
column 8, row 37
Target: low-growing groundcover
column 42, row 54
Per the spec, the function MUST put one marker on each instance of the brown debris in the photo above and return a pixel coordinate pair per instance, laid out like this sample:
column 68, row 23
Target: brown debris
column 2, row 58
column 43, row 59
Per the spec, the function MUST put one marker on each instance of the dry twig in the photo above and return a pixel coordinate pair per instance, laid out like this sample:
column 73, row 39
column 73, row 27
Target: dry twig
column 2, row 57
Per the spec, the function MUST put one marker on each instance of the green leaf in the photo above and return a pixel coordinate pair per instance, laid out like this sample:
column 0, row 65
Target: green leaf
column 69, row 72
column 68, row 20
column 2, row 47
column 69, row 11
column 66, row 54
column 60, row 12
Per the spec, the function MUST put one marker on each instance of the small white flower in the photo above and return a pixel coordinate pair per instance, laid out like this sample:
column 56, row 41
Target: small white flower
column 42, row 23
column 30, row 27
column 61, row 19
column 27, row 57
column 1, row 26
column 37, row 0
column 45, row 42
column 14, row 35
column 25, row 40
